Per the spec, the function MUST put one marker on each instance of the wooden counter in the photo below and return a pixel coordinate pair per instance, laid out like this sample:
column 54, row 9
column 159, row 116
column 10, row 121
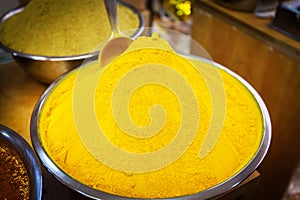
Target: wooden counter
column 270, row 62
column 18, row 95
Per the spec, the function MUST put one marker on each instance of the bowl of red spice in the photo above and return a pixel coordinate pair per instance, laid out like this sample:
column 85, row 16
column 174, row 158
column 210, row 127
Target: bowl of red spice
column 21, row 176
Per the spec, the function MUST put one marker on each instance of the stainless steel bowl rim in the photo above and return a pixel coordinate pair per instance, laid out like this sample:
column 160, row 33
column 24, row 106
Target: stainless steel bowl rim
column 205, row 194
column 29, row 158
column 67, row 58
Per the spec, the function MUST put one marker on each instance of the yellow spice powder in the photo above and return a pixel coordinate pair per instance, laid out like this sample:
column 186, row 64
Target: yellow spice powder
column 63, row 27
column 237, row 144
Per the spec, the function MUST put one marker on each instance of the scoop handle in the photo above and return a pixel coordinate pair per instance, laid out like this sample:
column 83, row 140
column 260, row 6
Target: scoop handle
column 111, row 9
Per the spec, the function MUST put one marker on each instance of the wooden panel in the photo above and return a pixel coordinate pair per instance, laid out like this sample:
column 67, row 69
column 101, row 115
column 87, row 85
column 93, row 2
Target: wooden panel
column 254, row 26
column 276, row 77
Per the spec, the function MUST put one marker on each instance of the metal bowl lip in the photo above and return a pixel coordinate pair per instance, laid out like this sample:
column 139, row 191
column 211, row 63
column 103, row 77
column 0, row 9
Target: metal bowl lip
column 15, row 53
column 29, row 158
column 211, row 192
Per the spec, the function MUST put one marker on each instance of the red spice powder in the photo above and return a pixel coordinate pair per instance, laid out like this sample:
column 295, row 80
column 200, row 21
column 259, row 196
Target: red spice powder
column 14, row 180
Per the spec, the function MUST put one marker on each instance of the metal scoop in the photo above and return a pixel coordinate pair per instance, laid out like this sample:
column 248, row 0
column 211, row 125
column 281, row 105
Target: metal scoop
column 118, row 42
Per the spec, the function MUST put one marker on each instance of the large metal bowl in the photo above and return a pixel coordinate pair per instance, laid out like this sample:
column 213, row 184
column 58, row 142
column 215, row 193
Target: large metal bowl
column 206, row 194
column 46, row 69
column 29, row 158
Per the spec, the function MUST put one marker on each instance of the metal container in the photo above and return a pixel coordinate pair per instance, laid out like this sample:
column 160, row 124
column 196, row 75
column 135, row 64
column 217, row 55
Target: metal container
column 29, row 158
column 206, row 194
column 46, row 69
column 241, row 5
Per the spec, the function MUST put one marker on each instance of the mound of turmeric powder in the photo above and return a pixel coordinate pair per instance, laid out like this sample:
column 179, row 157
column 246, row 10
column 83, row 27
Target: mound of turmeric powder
column 60, row 133
column 62, row 27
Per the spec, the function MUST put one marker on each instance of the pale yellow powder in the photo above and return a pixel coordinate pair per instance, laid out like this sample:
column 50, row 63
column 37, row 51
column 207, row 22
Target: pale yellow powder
column 63, row 27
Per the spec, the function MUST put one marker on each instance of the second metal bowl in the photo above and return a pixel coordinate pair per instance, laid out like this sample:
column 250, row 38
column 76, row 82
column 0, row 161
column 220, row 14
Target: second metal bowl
column 29, row 158
column 46, row 69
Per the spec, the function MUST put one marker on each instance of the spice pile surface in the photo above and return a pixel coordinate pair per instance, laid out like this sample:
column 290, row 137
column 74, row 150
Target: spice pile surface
column 14, row 180
column 162, row 112
column 62, row 27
